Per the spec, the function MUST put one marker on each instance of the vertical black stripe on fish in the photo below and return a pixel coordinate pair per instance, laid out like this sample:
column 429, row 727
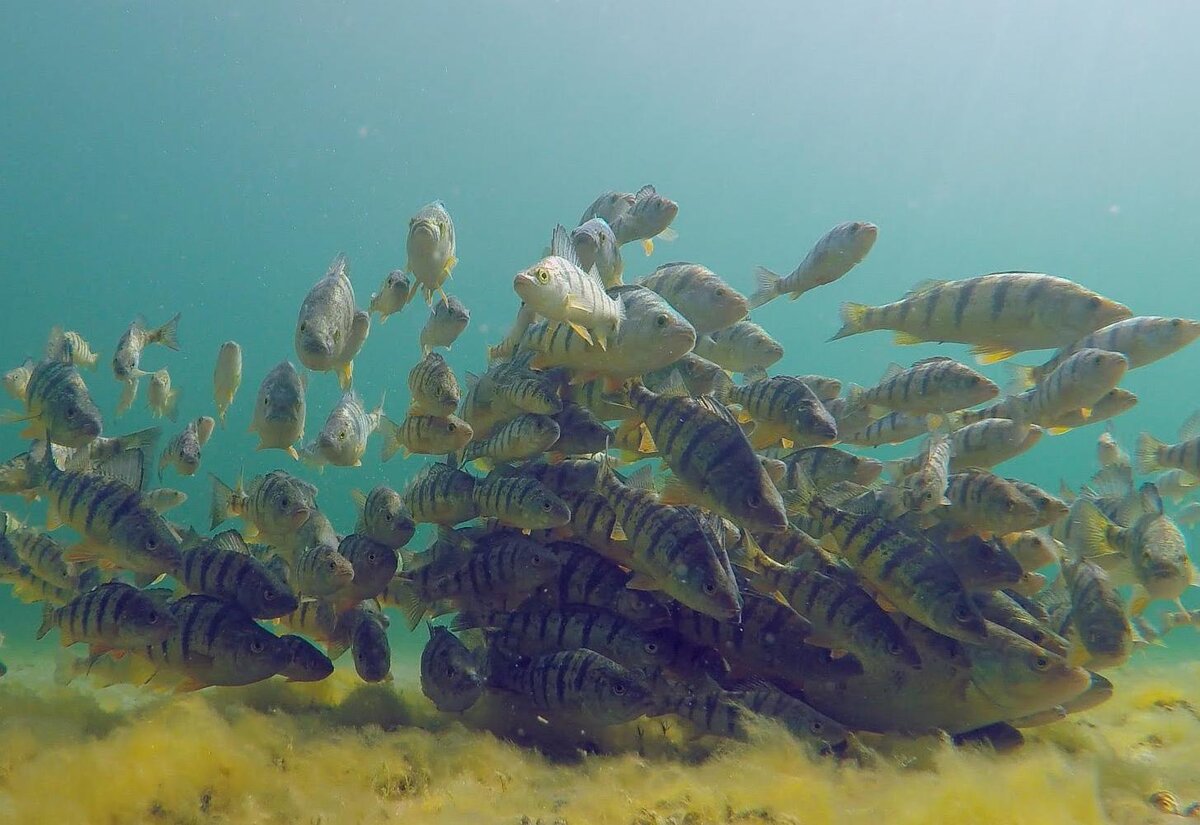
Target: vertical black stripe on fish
column 999, row 294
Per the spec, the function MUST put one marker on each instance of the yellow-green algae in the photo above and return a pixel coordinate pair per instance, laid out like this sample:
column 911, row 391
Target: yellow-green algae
column 341, row 752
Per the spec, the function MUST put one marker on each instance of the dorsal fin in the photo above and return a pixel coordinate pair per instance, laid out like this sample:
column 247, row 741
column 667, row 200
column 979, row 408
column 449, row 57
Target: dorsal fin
column 921, row 287
column 1151, row 500
column 128, row 466
column 230, row 540
column 1190, row 428
column 893, row 369
column 645, row 191
column 561, row 246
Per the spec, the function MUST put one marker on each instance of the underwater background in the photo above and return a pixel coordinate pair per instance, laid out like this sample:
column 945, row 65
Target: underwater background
column 212, row 158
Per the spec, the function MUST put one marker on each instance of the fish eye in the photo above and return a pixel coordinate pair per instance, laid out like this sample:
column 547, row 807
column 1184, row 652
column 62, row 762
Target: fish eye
column 1094, row 302
column 387, row 517
column 332, row 566
column 720, row 293
column 710, row 588
column 266, row 402
column 662, row 320
column 893, row 649
column 152, row 618
column 547, row 506
column 303, row 326
column 753, row 500
column 283, row 502
column 71, row 412
column 151, row 543
column 450, row 673
column 371, row 557
column 450, row 427
column 256, row 646
column 1008, row 505
column 535, row 559
column 342, row 435
column 651, row 648
column 543, row 276
column 268, row 595
column 618, row 688
column 1041, row 663
column 962, row 614
column 816, row 726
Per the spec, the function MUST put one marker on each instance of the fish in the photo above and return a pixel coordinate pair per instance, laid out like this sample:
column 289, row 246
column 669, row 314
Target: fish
column 223, row 567
column 579, row 685
column 741, row 347
column 113, row 616
column 127, row 357
column 708, row 452
column 649, row 216
column 557, row 289
column 1155, row 456
column 835, row 253
column 986, row 504
column 433, row 387
column 596, row 247
column 369, row 645
column 1033, row 549
column 374, row 566
column 700, row 376
column 393, row 295
column 579, row 432
column 342, row 440
column 587, row 579
column 17, row 379
column 164, row 499
column 447, row 320
column 828, row 466
column 431, row 250
column 525, row 436
column 58, row 407
column 279, row 410
column 451, row 675
column 700, row 295
column 107, row 509
column 70, row 347
column 934, row 386
column 318, row 568
column 183, row 451
column 783, row 409
column 991, row 441
column 216, row 643
column 308, row 663
column 424, row 435
column 227, row 377
column 521, row 502
column 893, row 428
column 440, row 494
column 383, row 517
column 1098, row 620
column 999, row 314
column 330, row 329
column 1142, row 340
column 924, row 489
column 651, row 336
column 38, row 550
column 273, row 507
column 163, row 399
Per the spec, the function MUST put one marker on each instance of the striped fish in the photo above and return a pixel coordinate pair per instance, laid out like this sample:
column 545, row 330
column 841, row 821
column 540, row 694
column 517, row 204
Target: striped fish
column 835, row 253
column 162, row 398
column 578, row 684
column 596, row 246
column 446, row 321
column 432, row 385
column 307, row 662
column 647, row 217
column 113, row 616
column 128, row 354
column 699, row 294
column 525, row 436
column 997, row 606
column 826, row 466
column 804, row 722
column 43, row 554
column 587, row 579
column 935, row 385
column 986, row 504
column 520, row 502
column 330, row 329
column 784, row 410
column 183, row 451
column 342, row 440
column 431, row 249
column 439, row 494
column 58, row 407
column 423, row 435
column 118, row 527
column 1098, row 618
column 741, row 347
column 227, row 377
column 1142, row 340
column 998, row 314
column 222, row 567
column 450, row 673
column 70, row 347
column 893, row 428
column 393, row 295
column 383, row 517
column 279, row 410
column 374, row 566
column 274, row 507
column 706, row 449
column 16, row 380
column 369, row 645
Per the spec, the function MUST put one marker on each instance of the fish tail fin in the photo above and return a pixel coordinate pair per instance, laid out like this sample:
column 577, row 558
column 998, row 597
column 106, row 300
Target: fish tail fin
column 854, row 320
column 1149, row 452
column 1021, row 378
column 1093, row 527
column 222, row 502
column 392, row 442
column 47, row 621
column 172, row 405
column 766, row 285
column 168, row 333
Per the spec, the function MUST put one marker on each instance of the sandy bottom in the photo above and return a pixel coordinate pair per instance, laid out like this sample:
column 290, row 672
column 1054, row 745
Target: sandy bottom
column 341, row 752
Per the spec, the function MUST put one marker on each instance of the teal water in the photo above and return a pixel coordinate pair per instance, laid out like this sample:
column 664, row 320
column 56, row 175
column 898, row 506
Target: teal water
column 213, row 159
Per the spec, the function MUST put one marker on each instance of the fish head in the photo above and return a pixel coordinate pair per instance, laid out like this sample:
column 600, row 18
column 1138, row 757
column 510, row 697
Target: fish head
column 450, row 673
column 388, row 521
column 336, row 444
column 317, row 339
column 651, row 213
column 76, row 423
column 811, row 420
column 424, row 236
column 540, row 287
column 1015, row 673
column 587, row 245
column 665, row 333
column 618, row 695
column 16, row 380
column 1176, row 332
column 758, row 504
column 374, row 565
column 371, row 650
column 248, row 654
column 265, row 595
column 146, row 543
column 145, row 621
column 723, row 306
column 306, row 663
column 1086, row 314
column 125, row 363
column 545, row 510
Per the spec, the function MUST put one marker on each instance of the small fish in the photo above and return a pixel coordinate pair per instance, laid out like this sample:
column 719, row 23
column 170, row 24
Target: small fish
column 70, row 347
column 126, row 363
column 447, row 320
column 783, row 410
column 222, row 567
column 1152, row 552
column 319, row 569
column 559, row 290
column 393, row 295
column 1154, row 456
column 330, row 329
column 1142, row 340
column 579, row 685
column 439, row 494
column 227, row 377
column 991, row 441
column 516, row 501
column 1002, row 609
column 17, row 379
column 586, row 578
column 924, row 490
column 424, row 435
column 342, row 440
column 280, row 409
column 699, row 294
column 801, row 720
column 699, row 375
column 164, row 499
column 450, row 673
column 1098, row 616
column 998, row 314
column 1110, row 452
column 1189, row 515
column 986, row 504
column 431, row 250
column 827, row 466
column 705, row 447
column 183, row 451
column 1033, row 550
column 275, row 505
column 525, row 436
column 308, row 663
column 374, row 567
column 113, row 616
column 981, row 564
column 163, row 399
column 596, row 246
column 1176, row 485
column 893, row 428
column 383, row 517
column 934, row 386
column 649, row 216
column 369, row 643
column 39, row 551
column 58, row 407
column 433, row 387
column 836, row 252
column 579, row 432
column 741, row 347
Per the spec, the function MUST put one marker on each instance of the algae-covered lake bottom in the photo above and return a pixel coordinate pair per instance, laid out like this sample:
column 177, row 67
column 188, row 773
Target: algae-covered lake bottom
column 340, row 751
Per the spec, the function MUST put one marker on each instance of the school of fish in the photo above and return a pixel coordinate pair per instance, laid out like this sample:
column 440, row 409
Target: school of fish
column 634, row 509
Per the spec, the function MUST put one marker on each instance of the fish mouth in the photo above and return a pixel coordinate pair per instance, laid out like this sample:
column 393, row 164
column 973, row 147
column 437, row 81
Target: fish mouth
column 423, row 237
column 318, row 346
